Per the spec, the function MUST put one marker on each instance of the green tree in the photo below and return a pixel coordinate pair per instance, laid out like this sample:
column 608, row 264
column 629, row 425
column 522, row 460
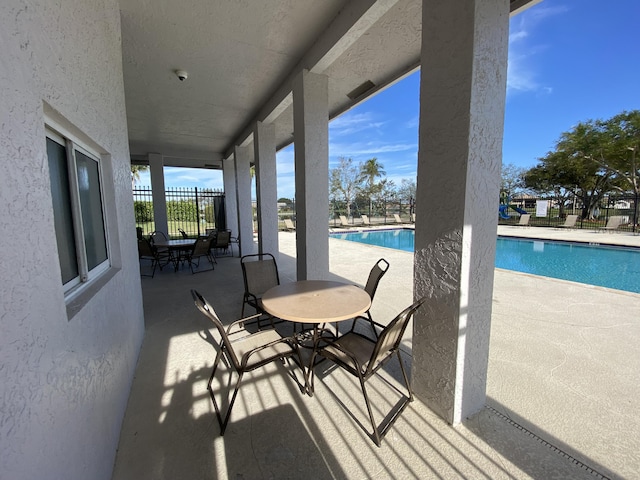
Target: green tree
column 369, row 172
column 570, row 167
column 135, row 172
column 345, row 182
column 616, row 151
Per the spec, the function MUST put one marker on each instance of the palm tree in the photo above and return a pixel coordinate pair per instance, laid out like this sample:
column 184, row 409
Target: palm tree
column 135, row 173
column 369, row 171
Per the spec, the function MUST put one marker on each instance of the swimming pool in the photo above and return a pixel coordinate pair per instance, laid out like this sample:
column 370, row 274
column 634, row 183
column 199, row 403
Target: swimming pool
column 611, row 267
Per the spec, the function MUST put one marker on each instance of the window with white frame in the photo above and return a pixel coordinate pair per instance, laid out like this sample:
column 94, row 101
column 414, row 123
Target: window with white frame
column 78, row 211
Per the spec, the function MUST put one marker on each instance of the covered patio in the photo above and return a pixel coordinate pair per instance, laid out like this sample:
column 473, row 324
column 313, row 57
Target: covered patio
column 103, row 79
column 545, row 416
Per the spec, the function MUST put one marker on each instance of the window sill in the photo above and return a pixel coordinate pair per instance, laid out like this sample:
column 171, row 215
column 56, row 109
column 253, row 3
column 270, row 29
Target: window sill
column 77, row 302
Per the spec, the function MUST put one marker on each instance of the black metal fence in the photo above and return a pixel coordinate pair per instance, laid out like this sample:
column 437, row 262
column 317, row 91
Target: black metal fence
column 192, row 210
column 614, row 205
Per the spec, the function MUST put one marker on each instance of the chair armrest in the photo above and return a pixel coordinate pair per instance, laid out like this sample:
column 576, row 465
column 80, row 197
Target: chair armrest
column 241, row 322
column 245, row 358
column 357, row 367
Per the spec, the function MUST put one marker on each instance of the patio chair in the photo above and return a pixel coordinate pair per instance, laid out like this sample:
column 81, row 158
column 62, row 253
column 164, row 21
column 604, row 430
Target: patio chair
column 376, row 273
column 201, row 248
column 344, row 222
column 612, row 224
column 146, row 251
column 363, row 357
column 570, row 222
column 288, row 225
column 243, row 352
column 164, row 253
column 223, row 241
column 397, row 218
column 365, row 220
column 260, row 273
column 524, row 220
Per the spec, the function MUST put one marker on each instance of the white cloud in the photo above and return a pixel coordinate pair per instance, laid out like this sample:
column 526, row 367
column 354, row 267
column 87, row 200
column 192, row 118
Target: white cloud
column 350, row 123
column 521, row 72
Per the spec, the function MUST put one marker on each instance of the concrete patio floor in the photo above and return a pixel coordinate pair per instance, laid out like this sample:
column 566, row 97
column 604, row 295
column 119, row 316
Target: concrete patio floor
column 562, row 394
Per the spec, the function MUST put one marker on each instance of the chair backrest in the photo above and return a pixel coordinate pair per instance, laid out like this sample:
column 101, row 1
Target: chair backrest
column 571, row 220
column 288, row 224
column 343, row 221
column 524, row 219
column 390, row 338
column 205, row 307
column 614, row 222
column 260, row 273
column 365, row 220
column 376, row 273
column 397, row 218
column 145, row 249
column 158, row 234
column 222, row 239
column 201, row 246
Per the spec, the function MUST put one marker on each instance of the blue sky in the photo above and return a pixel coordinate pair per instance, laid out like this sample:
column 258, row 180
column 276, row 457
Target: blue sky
column 569, row 61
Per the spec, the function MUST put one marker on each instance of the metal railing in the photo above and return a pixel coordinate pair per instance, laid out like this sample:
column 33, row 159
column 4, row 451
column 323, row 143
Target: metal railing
column 192, row 210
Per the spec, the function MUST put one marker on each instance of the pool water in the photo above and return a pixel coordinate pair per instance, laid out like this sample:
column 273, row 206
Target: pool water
column 611, row 267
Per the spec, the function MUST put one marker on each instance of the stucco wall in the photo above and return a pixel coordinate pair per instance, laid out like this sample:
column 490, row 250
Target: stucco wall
column 64, row 382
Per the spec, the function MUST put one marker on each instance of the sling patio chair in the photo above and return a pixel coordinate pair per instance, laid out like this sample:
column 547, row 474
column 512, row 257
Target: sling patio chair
column 201, row 248
column 365, row 220
column 223, row 241
column 376, row 273
column 146, row 251
column 344, row 222
column 242, row 351
column 397, row 218
column 570, row 222
column 363, row 357
column 164, row 253
column 260, row 273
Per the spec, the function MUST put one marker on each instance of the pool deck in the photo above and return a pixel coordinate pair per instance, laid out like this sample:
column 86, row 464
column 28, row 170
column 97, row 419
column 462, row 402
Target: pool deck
column 562, row 394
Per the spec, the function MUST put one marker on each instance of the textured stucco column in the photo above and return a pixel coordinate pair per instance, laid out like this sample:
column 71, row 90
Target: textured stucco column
column 264, row 143
column 156, row 171
column 230, row 196
column 242, row 159
column 311, row 139
column 462, row 95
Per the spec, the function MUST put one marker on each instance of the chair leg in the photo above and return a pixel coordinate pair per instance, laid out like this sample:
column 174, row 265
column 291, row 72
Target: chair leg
column 223, row 426
column 376, row 434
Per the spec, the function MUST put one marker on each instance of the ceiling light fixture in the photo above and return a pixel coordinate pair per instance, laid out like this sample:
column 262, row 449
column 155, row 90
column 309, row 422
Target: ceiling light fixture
column 182, row 75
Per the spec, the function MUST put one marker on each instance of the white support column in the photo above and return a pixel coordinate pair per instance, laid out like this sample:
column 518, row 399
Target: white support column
column 264, row 143
column 230, row 195
column 311, row 139
column 242, row 160
column 462, row 99
column 156, row 171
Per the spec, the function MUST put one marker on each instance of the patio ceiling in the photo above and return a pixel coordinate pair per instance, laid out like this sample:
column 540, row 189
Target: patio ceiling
column 241, row 56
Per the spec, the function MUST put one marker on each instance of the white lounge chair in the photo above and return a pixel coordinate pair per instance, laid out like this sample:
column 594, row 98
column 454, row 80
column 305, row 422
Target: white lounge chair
column 570, row 222
column 524, row 220
column 365, row 220
column 397, row 219
column 612, row 224
column 288, row 225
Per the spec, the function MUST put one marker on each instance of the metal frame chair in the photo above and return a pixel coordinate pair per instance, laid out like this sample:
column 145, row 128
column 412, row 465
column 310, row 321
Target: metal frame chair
column 245, row 353
column 201, row 248
column 146, row 251
column 260, row 273
column 363, row 357
column 376, row 273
